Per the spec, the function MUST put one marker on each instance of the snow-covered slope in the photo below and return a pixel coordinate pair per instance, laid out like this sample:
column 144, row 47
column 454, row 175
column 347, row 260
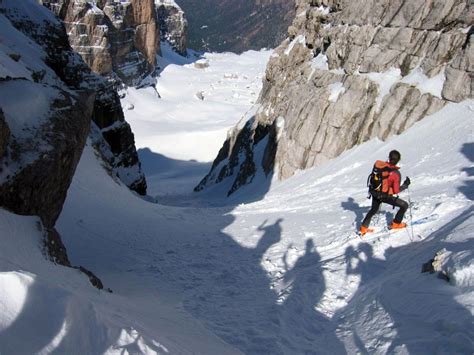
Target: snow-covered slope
column 189, row 113
column 285, row 274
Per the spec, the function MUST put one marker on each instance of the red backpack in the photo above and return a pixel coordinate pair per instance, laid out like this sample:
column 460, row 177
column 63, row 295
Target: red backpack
column 377, row 179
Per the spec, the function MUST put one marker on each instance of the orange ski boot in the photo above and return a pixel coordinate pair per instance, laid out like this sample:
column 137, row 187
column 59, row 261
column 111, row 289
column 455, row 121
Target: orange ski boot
column 363, row 230
column 396, row 225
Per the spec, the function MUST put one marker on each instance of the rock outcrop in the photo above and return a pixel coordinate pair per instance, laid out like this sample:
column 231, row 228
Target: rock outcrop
column 119, row 147
column 114, row 38
column 173, row 25
column 351, row 71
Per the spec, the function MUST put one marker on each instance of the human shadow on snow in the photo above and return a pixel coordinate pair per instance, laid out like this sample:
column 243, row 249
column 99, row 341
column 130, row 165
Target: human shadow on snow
column 306, row 330
column 360, row 212
column 351, row 205
column 240, row 303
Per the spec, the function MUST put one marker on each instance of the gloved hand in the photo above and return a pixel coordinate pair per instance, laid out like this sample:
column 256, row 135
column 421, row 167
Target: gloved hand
column 407, row 182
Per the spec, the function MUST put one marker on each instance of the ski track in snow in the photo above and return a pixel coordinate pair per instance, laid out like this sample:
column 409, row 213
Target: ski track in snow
column 285, row 274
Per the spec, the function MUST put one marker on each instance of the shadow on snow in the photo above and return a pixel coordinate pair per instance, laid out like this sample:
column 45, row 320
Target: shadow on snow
column 468, row 188
column 398, row 288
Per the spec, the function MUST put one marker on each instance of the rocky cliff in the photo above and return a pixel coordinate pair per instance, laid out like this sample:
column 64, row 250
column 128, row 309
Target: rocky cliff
column 173, row 25
column 115, row 38
column 48, row 97
column 351, row 71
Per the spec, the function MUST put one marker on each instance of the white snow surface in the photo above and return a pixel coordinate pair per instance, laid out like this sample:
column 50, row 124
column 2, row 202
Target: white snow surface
column 385, row 81
column 433, row 86
column 284, row 274
column 181, row 126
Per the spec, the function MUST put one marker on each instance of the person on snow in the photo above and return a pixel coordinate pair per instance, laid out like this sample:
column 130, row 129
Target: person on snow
column 384, row 186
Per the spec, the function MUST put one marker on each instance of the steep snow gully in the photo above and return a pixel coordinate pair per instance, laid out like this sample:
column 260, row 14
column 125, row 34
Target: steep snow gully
column 275, row 269
column 286, row 273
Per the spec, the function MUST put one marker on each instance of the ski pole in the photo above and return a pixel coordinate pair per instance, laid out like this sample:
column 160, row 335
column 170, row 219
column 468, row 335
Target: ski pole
column 412, row 237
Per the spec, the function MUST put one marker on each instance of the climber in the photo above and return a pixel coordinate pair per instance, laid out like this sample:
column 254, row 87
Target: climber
column 384, row 185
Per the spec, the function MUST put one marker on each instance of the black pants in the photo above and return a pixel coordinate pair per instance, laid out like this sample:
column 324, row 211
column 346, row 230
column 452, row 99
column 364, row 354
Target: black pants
column 379, row 198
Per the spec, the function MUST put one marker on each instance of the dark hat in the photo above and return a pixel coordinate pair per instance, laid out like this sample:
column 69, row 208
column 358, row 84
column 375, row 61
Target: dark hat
column 394, row 156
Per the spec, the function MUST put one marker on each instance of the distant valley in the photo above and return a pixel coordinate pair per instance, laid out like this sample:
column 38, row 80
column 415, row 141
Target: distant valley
column 229, row 25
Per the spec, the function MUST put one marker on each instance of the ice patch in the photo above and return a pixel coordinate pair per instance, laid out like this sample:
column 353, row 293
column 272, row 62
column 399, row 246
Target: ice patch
column 385, row 81
column 336, row 89
column 298, row 40
column 301, row 14
column 280, row 124
column 324, row 10
column 433, row 86
column 93, row 9
column 320, row 62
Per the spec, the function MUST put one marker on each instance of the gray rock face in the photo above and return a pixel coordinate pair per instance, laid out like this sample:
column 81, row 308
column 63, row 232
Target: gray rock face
column 173, row 25
column 355, row 70
column 113, row 38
